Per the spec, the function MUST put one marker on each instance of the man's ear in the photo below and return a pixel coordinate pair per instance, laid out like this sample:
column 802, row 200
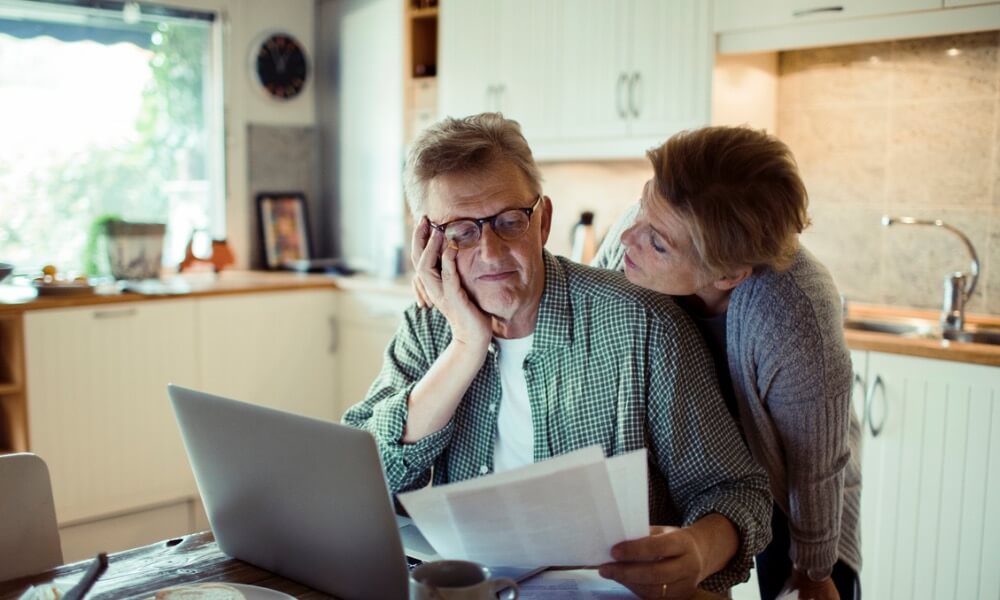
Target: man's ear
column 732, row 279
column 546, row 214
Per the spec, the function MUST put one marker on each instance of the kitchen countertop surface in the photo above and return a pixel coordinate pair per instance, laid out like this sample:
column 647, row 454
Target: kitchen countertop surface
column 15, row 299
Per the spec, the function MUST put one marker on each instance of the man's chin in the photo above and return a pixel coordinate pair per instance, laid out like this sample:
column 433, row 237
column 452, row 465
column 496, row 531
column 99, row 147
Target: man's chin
column 496, row 303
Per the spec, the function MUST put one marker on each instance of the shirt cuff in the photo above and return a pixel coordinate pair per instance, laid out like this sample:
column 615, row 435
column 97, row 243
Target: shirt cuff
column 816, row 560
column 390, row 417
column 754, row 535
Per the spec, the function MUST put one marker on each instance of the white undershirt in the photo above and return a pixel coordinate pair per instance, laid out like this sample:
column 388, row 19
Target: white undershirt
column 515, row 430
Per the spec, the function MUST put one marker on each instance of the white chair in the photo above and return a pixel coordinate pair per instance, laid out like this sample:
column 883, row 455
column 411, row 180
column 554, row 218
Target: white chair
column 29, row 535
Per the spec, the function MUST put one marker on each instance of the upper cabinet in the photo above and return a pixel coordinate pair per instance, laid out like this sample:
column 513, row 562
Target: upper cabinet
column 499, row 56
column 740, row 14
column 746, row 26
column 587, row 79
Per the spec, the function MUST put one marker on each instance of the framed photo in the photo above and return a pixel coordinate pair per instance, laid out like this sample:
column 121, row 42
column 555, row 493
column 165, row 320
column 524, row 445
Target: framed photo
column 284, row 227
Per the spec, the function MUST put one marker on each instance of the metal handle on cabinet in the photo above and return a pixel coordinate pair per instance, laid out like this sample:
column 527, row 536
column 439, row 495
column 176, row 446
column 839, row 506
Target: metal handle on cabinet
column 869, row 404
column 115, row 314
column 859, row 384
column 622, row 80
column 334, row 335
column 818, row 10
column 633, row 95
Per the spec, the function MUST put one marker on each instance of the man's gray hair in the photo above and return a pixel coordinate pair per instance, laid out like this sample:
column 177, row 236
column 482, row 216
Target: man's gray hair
column 468, row 145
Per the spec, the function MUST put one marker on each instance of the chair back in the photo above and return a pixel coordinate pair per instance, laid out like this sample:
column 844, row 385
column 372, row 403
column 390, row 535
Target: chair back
column 29, row 534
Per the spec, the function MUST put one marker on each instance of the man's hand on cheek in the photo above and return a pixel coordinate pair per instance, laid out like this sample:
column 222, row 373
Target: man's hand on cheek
column 442, row 287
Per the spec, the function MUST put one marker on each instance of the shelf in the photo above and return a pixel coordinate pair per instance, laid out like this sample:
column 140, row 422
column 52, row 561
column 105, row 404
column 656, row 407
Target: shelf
column 424, row 13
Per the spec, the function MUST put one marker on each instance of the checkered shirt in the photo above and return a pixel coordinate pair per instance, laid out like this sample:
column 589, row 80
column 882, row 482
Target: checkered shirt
column 611, row 364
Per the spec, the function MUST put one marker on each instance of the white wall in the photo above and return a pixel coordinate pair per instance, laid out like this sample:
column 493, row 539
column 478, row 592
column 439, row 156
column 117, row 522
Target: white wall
column 244, row 22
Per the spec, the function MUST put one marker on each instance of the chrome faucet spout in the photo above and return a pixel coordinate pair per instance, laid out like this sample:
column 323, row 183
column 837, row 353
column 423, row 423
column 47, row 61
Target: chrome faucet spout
column 888, row 221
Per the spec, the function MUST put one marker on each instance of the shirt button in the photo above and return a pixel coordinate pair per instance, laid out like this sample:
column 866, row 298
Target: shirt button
column 483, row 470
column 493, row 407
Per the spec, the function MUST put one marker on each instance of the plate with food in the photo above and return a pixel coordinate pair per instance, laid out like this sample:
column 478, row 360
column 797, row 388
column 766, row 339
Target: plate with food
column 49, row 284
column 220, row 591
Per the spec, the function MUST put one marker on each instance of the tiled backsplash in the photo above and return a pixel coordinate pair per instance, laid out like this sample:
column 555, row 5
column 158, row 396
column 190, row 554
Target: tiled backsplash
column 907, row 128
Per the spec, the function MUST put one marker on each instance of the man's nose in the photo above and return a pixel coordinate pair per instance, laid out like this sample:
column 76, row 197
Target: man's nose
column 491, row 245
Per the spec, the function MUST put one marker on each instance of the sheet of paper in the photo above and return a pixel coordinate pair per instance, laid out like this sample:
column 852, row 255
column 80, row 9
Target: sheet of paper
column 581, row 584
column 564, row 511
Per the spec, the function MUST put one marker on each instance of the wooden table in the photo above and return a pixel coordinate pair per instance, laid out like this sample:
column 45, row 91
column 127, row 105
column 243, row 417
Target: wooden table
column 139, row 572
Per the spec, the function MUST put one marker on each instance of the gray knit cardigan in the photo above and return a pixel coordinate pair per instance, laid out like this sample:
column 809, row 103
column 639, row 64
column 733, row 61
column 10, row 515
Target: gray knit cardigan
column 791, row 374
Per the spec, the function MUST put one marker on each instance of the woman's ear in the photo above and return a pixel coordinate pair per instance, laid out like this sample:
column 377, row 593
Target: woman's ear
column 732, row 279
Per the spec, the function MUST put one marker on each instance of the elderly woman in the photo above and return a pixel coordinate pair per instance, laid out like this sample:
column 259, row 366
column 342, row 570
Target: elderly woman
column 717, row 228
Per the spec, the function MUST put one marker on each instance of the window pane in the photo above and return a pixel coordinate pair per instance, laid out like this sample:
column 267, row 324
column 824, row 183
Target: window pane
column 102, row 117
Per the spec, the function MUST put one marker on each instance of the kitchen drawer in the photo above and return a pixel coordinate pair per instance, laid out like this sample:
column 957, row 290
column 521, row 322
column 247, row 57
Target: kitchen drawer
column 379, row 309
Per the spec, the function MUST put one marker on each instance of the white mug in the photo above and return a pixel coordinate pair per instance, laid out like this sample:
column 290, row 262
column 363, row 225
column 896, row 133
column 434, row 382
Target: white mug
column 457, row 580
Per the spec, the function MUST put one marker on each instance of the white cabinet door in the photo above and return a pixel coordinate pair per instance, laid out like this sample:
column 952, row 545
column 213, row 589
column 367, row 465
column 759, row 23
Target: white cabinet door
column 671, row 81
column 275, row 349
column 731, row 15
column 968, row 2
column 467, row 61
column 527, row 56
column 368, row 321
column 594, row 70
column 97, row 398
column 930, row 528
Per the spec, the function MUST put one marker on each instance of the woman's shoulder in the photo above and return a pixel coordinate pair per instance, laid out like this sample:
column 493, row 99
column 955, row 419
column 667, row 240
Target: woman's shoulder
column 804, row 291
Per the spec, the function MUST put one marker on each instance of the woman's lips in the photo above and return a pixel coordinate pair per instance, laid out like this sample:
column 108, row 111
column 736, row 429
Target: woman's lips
column 629, row 264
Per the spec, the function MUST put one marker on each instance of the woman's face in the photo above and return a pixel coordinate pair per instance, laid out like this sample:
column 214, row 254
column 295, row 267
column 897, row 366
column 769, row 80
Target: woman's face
column 659, row 254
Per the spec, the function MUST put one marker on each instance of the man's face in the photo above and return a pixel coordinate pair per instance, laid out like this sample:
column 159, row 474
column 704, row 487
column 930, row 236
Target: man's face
column 659, row 254
column 505, row 278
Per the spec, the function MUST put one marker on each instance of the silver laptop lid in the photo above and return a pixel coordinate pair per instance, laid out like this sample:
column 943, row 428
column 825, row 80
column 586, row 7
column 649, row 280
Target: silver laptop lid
column 297, row 496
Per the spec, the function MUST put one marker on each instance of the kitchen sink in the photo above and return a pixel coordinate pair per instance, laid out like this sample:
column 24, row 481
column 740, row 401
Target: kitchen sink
column 914, row 328
column 925, row 329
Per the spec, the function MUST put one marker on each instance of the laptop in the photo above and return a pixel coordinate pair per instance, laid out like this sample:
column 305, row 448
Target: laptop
column 301, row 497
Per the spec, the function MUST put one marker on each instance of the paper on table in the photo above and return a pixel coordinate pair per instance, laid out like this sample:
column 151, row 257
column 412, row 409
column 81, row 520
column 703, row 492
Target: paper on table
column 581, row 584
column 569, row 510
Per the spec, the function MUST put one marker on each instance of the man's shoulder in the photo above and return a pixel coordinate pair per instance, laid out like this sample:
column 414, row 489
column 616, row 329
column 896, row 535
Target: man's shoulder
column 611, row 293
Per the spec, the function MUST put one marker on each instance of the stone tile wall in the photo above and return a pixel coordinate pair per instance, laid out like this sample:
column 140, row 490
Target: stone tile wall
column 907, row 128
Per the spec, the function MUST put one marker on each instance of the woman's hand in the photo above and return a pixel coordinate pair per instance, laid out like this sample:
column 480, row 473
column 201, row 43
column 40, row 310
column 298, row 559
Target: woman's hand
column 443, row 288
column 809, row 589
column 668, row 563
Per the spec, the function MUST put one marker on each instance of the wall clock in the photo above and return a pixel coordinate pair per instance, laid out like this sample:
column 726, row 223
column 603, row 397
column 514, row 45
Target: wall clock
column 280, row 64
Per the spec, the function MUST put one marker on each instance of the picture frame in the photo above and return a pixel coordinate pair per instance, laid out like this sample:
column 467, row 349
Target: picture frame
column 284, row 228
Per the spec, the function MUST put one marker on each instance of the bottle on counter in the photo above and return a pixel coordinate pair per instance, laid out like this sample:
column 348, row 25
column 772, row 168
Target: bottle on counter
column 584, row 239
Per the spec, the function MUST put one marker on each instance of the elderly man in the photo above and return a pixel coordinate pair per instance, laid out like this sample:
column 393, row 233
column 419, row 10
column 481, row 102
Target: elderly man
column 525, row 356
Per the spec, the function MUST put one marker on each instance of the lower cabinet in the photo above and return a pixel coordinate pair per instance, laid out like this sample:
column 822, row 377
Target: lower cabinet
column 930, row 527
column 98, row 410
column 367, row 323
column 276, row 349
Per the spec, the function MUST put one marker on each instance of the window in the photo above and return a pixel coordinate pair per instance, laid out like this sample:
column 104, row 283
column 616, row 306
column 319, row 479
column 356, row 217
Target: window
column 106, row 109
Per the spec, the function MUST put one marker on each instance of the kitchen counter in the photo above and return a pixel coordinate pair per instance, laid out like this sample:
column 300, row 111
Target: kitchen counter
column 19, row 298
column 982, row 354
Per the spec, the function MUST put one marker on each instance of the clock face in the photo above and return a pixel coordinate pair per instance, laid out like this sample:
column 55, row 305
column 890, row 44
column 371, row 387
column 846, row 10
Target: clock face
column 281, row 66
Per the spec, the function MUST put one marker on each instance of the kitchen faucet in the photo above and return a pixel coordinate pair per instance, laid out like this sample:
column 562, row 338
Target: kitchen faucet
column 957, row 286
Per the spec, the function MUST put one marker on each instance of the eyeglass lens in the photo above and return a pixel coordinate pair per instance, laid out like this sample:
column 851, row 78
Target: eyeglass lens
column 508, row 225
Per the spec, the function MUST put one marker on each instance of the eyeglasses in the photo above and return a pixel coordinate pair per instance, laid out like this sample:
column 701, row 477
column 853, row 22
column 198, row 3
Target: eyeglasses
column 509, row 225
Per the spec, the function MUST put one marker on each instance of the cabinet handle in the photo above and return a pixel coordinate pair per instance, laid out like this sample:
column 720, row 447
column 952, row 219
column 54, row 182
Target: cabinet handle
column 622, row 80
column 633, row 95
column 334, row 335
column 115, row 314
column 818, row 10
column 859, row 384
column 869, row 404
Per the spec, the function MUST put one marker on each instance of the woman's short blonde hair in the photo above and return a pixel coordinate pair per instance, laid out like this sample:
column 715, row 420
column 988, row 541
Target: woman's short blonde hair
column 468, row 145
column 738, row 191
